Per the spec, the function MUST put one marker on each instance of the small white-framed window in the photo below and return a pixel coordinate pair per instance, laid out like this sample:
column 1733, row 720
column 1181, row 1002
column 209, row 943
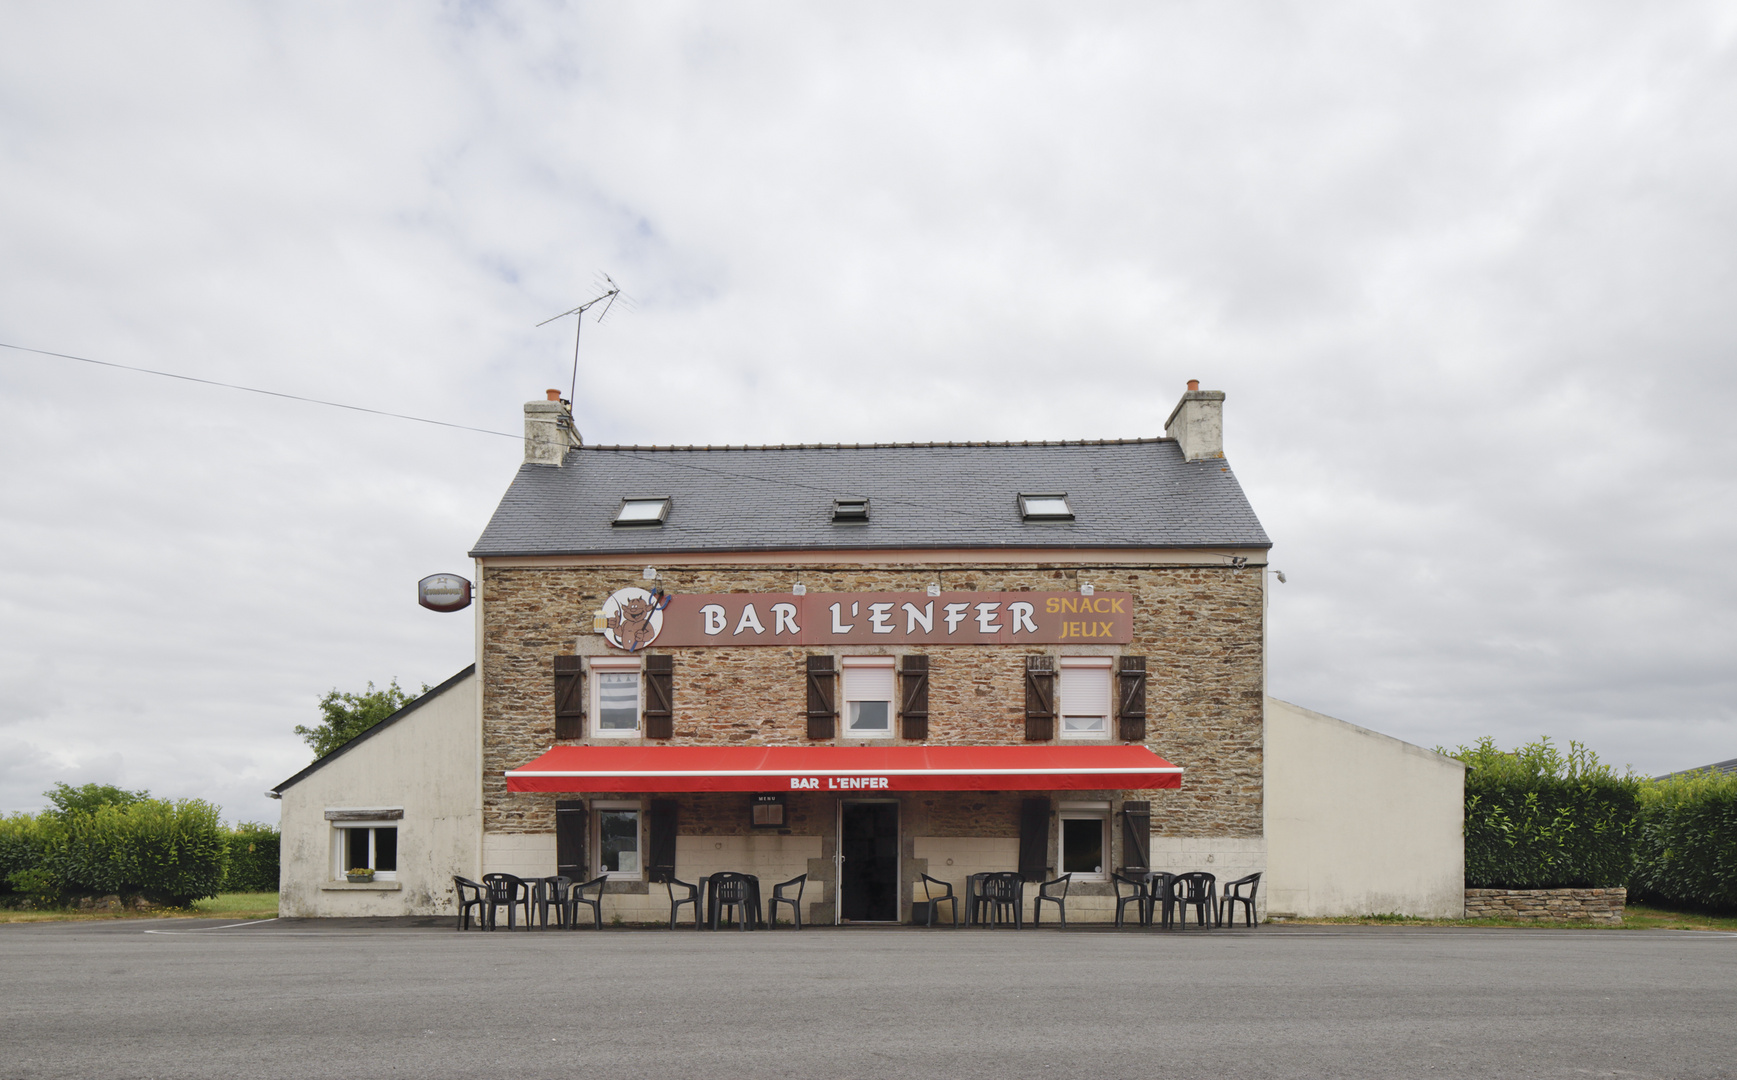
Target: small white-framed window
column 616, row 838
column 1083, row 844
column 868, row 697
column 366, row 845
column 1083, row 697
column 616, row 697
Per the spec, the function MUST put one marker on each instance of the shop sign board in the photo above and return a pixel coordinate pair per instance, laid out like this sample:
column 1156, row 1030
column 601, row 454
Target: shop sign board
column 819, row 619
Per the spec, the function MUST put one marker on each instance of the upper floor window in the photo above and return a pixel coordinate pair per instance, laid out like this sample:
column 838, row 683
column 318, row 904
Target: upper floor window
column 616, row 697
column 1084, row 697
column 868, row 697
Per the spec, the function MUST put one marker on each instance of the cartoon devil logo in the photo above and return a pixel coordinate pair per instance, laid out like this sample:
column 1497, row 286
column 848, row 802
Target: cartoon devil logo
column 637, row 617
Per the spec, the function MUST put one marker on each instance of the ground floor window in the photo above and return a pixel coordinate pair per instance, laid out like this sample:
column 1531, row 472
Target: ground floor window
column 618, row 839
column 370, row 847
column 1084, row 843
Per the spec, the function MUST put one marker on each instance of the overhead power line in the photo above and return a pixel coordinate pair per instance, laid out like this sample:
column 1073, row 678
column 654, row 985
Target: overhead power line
column 257, row 390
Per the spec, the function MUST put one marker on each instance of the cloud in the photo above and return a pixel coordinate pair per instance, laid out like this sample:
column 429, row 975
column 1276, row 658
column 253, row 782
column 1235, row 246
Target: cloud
column 1464, row 274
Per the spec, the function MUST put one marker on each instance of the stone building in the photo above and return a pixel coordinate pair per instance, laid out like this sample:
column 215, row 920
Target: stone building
column 862, row 663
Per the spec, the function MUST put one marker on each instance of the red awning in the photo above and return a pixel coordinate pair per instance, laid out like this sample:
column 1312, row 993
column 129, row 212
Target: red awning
column 844, row 768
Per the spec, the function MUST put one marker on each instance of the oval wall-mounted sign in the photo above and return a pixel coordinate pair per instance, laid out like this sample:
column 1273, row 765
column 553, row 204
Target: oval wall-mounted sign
column 443, row 592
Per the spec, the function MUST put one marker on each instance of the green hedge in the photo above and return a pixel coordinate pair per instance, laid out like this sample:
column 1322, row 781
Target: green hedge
column 252, row 862
column 24, row 843
column 1686, row 852
column 1537, row 818
column 172, row 852
column 169, row 852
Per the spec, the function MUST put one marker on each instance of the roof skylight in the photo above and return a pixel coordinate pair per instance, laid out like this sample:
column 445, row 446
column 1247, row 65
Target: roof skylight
column 850, row 510
column 1052, row 507
column 642, row 511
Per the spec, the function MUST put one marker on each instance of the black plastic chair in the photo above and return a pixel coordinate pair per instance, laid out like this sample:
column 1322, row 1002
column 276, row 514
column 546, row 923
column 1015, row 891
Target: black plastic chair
column 675, row 904
column 1233, row 895
column 510, row 892
column 1161, row 899
column 730, row 891
column 471, row 894
column 1044, row 896
column 576, row 896
column 1197, row 890
column 935, row 901
column 778, row 897
column 1139, row 897
column 1004, row 893
column 976, row 900
column 551, row 892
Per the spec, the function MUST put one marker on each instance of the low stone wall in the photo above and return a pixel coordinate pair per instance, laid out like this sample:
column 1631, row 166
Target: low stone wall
column 1598, row 905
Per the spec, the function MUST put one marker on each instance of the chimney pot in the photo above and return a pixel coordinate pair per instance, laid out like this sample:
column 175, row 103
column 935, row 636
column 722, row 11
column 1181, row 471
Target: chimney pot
column 555, row 395
column 1193, row 385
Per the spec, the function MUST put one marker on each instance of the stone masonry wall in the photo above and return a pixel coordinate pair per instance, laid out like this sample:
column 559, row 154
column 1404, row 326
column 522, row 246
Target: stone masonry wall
column 1599, row 905
column 1199, row 628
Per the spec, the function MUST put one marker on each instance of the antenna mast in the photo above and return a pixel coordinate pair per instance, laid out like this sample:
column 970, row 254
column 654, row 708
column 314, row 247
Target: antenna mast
column 607, row 299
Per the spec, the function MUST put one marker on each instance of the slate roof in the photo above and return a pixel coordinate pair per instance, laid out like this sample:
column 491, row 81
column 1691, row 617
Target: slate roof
column 1124, row 493
column 1726, row 767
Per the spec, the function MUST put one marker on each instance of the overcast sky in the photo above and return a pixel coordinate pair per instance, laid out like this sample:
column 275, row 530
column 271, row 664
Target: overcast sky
column 1465, row 272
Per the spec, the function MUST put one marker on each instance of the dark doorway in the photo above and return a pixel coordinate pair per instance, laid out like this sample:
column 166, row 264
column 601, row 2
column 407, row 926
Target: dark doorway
column 869, row 879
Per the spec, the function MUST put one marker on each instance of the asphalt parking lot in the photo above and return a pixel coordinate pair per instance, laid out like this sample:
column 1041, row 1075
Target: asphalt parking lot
column 179, row 998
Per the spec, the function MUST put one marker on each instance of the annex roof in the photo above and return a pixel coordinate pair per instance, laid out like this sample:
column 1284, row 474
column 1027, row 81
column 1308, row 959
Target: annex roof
column 409, row 707
column 1123, row 493
column 1719, row 767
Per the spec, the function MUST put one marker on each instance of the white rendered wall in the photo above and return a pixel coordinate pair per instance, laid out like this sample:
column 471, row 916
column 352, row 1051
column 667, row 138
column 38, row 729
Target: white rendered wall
column 425, row 763
column 1357, row 822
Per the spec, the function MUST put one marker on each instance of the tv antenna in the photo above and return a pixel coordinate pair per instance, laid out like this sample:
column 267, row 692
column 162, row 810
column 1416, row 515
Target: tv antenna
column 607, row 299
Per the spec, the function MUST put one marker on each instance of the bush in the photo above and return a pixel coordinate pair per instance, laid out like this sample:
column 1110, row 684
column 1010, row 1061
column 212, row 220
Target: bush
column 252, row 864
column 1686, row 851
column 170, row 852
column 1537, row 818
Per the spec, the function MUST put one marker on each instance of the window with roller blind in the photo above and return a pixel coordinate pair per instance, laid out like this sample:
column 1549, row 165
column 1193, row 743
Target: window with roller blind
column 1083, row 693
column 868, row 697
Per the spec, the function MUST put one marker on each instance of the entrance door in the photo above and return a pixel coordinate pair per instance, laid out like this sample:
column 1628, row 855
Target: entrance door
column 868, row 880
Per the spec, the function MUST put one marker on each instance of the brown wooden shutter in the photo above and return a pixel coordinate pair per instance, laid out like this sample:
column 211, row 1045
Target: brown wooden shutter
column 1137, row 835
column 1131, row 698
column 662, row 838
column 659, row 699
column 1039, row 698
column 570, row 839
column 1033, row 839
column 822, row 692
column 569, row 698
column 914, row 697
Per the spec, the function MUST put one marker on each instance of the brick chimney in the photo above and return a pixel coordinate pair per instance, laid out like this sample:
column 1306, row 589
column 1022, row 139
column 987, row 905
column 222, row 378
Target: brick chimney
column 549, row 430
column 1197, row 423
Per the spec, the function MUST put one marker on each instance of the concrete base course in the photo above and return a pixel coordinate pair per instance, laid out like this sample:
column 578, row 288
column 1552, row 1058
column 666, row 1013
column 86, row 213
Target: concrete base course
column 1598, row 905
